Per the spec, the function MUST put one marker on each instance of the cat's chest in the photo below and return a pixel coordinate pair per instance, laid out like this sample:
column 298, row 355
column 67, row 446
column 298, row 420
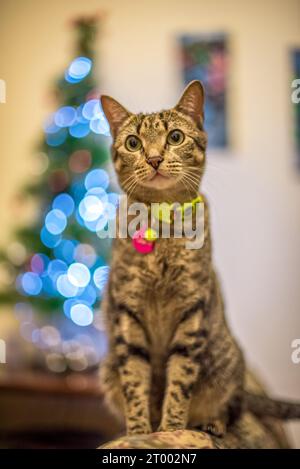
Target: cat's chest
column 168, row 265
column 166, row 279
column 156, row 276
column 161, row 275
column 172, row 275
column 161, row 285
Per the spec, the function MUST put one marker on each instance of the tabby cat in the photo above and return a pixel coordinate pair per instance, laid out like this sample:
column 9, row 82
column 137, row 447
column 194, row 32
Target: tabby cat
column 172, row 360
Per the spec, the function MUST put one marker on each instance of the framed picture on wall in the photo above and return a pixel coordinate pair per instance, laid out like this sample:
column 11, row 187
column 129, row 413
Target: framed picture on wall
column 296, row 101
column 204, row 57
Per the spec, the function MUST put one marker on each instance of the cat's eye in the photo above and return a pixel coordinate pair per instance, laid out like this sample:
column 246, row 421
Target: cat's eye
column 133, row 143
column 175, row 137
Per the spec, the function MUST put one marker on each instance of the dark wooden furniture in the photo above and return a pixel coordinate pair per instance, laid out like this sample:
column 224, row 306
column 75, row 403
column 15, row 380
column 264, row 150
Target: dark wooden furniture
column 39, row 410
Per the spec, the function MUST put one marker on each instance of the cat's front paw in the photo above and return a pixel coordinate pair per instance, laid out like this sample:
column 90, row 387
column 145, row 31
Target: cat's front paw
column 215, row 428
column 170, row 427
column 139, row 429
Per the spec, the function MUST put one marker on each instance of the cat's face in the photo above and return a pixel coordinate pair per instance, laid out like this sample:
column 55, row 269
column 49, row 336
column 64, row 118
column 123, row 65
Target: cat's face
column 159, row 156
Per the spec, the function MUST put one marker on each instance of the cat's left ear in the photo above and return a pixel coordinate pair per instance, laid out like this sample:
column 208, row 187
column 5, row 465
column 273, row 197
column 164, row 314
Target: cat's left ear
column 115, row 113
column 192, row 102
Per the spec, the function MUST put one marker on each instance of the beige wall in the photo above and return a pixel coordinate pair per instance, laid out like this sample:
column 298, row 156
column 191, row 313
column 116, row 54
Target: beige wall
column 254, row 189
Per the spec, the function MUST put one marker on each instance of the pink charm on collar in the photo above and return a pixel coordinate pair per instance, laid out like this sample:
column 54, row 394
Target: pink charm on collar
column 140, row 244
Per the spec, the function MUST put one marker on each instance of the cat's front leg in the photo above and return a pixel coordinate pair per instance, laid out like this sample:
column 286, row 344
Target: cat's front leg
column 183, row 370
column 131, row 347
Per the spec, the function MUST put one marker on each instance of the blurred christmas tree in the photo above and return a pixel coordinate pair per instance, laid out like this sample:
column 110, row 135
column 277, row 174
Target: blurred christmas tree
column 59, row 266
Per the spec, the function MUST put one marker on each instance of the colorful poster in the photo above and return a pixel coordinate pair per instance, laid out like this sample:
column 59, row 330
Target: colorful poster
column 205, row 58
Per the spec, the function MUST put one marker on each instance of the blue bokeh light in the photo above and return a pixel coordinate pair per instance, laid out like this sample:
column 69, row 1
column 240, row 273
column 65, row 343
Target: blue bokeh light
column 55, row 221
column 100, row 126
column 101, row 222
column 79, row 130
column 92, row 110
column 89, row 295
column 65, row 287
column 79, row 115
column 31, row 283
column 56, row 268
column 91, row 225
column 57, row 138
column 48, row 239
column 65, row 250
column 65, row 116
column 78, row 69
column 98, row 192
column 49, row 125
column 81, row 314
column 68, row 305
column 69, row 79
column 79, row 274
column 78, row 189
column 110, row 211
column 79, row 219
column 65, row 203
column 113, row 198
column 90, row 208
column 49, row 287
column 96, row 178
column 100, row 277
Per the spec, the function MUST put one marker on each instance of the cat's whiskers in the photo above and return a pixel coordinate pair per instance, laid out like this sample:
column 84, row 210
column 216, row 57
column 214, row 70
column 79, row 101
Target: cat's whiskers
column 131, row 188
column 191, row 170
column 127, row 184
column 129, row 181
column 191, row 185
column 187, row 187
column 132, row 176
column 191, row 177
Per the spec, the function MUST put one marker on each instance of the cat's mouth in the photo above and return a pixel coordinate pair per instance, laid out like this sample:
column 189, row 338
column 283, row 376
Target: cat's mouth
column 157, row 176
column 159, row 180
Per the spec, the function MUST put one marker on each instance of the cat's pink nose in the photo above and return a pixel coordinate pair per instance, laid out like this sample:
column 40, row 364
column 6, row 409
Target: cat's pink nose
column 154, row 161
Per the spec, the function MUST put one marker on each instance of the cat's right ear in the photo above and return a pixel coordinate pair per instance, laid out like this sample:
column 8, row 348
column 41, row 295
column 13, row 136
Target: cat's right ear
column 115, row 113
column 192, row 102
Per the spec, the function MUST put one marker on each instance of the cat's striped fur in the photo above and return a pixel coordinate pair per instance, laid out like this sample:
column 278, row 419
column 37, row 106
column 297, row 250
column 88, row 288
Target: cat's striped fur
column 172, row 360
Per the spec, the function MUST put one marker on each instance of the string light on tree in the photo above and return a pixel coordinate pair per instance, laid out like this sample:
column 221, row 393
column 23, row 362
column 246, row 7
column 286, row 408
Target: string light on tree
column 59, row 264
